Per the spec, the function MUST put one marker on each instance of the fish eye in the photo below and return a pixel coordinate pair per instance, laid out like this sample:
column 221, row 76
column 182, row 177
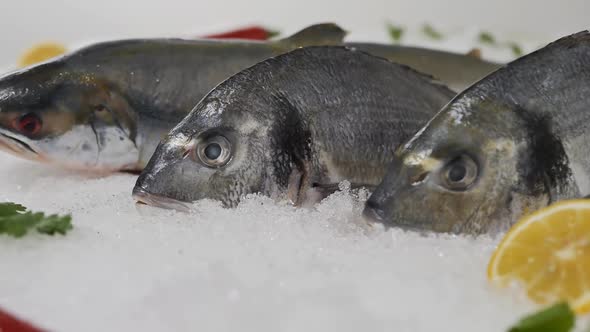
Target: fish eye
column 459, row 174
column 29, row 124
column 214, row 152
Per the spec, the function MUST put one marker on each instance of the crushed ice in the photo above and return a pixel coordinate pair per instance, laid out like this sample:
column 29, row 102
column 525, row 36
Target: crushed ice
column 262, row 266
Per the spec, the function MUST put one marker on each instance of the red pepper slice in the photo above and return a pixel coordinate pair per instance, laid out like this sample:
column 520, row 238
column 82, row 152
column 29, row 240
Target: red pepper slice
column 9, row 323
column 251, row 33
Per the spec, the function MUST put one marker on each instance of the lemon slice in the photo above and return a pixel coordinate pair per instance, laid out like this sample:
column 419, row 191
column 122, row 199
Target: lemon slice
column 40, row 53
column 549, row 253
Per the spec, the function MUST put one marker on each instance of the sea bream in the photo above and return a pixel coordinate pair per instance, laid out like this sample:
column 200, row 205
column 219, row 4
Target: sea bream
column 292, row 127
column 514, row 142
column 106, row 107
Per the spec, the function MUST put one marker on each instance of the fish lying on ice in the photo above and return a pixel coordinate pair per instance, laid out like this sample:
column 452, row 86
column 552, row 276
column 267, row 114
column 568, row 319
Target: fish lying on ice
column 515, row 141
column 106, row 107
column 292, row 127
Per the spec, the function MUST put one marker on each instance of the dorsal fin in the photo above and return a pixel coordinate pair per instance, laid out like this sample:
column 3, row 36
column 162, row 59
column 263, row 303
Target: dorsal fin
column 317, row 34
column 557, row 63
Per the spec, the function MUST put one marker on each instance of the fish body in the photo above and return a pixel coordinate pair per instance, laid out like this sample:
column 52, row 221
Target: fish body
column 457, row 71
column 292, row 127
column 107, row 106
column 515, row 141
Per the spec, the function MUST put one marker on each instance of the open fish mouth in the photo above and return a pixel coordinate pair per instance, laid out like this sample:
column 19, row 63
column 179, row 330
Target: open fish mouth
column 141, row 196
column 18, row 148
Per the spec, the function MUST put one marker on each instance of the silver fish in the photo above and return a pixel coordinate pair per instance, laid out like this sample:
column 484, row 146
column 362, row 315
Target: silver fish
column 107, row 106
column 292, row 127
column 514, row 142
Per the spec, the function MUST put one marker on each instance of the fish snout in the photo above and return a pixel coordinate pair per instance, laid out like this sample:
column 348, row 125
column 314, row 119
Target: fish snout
column 142, row 196
column 15, row 145
column 373, row 212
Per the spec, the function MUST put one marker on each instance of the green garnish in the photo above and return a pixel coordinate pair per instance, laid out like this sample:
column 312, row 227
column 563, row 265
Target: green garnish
column 395, row 32
column 516, row 50
column 486, row 38
column 8, row 209
column 557, row 318
column 16, row 221
column 428, row 30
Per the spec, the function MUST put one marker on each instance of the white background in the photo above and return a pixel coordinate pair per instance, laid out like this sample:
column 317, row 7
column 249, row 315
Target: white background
column 26, row 22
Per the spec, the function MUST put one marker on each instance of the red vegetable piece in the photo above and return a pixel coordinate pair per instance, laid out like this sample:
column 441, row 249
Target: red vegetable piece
column 251, row 33
column 9, row 323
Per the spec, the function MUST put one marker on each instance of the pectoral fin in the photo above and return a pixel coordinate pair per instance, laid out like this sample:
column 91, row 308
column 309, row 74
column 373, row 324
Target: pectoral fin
column 299, row 185
column 294, row 186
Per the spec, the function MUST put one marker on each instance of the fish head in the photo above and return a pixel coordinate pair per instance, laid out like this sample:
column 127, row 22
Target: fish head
column 53, row 114
column 219, row 152
column 472, row 169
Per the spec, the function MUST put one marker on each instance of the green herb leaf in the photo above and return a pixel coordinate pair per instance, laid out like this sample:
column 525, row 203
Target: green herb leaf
column 14, row 221
column 18, row 225
column 8, row 209
column 429, row 31
column 487, row 38
column 395, row 32
column 55, row 224
column 516, row 50
column 557, row 318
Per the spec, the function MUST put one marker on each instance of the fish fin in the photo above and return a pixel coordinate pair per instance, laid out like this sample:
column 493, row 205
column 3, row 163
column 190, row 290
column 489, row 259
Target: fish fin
column 551, row 192
column 297, row 185
column 132, row 171
column 317, row 34
column 474, row 52
column 294, row 186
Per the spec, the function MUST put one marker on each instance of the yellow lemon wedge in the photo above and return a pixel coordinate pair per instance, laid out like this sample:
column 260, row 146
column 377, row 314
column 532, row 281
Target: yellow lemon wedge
column 40, row 53
column 548, row 252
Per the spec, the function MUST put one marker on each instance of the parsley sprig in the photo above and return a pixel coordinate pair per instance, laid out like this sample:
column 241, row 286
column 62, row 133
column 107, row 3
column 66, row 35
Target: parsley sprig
column 16, row 221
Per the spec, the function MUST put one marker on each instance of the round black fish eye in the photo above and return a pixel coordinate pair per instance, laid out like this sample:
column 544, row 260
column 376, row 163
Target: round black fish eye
column 459, row 174
column 214, row 152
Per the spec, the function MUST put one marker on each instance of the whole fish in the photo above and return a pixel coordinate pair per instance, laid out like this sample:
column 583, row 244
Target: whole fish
column 106, row 107
column 515, row 141
column 292, row 127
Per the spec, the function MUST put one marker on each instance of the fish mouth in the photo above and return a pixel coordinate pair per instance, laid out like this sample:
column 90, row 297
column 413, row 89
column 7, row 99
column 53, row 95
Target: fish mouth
column 142, row 196
column 373, row 213
column 18, row 147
